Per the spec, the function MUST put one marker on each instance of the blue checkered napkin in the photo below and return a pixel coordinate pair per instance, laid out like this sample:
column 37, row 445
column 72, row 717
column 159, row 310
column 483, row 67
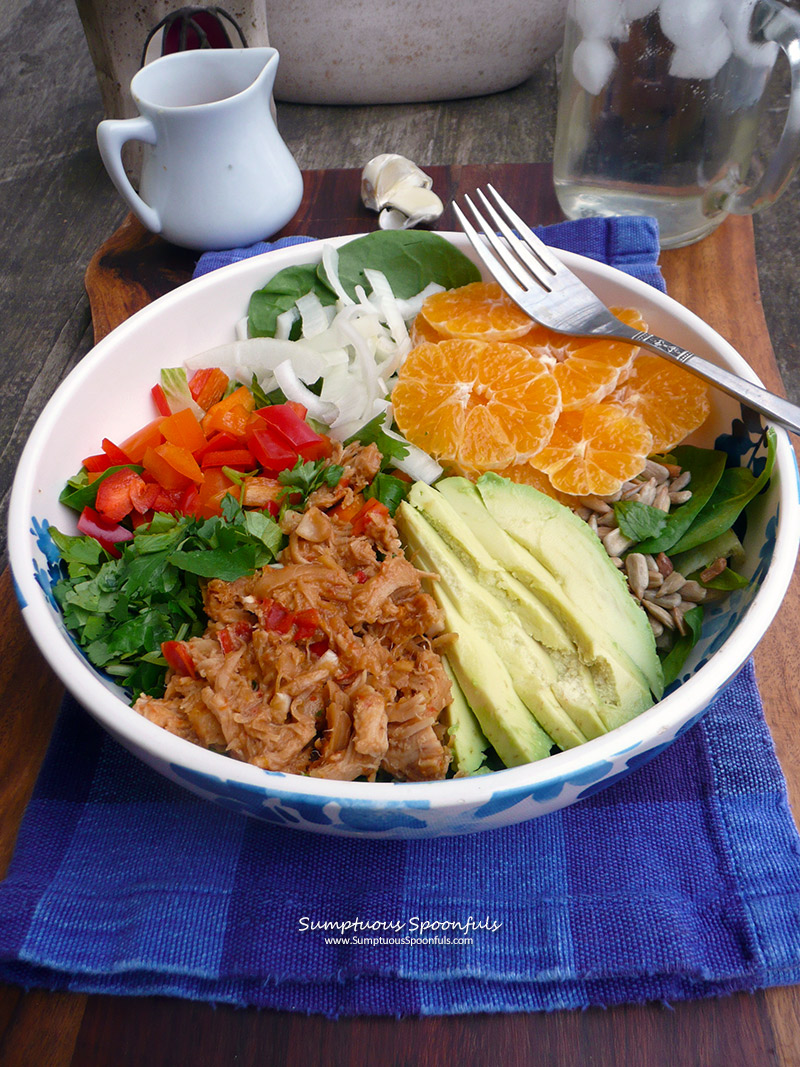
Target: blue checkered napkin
column 680, row 881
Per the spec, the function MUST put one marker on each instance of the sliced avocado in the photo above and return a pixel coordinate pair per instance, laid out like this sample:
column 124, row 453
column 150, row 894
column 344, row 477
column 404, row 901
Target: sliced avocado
column 566, row 547
column 530, row 669
column 467, row 742
column 622, row 687
column 569, row 679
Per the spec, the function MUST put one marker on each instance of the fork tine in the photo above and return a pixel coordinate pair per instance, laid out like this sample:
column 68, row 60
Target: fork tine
column 524, row 275
column 553, row 264
column 492, row 264
column 529, row 258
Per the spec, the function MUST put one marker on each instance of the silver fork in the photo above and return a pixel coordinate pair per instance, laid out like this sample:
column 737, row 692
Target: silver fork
column 550, row 293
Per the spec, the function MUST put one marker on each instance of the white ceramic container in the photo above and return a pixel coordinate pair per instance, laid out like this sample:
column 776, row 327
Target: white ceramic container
column 406, row 51
column 110, row 388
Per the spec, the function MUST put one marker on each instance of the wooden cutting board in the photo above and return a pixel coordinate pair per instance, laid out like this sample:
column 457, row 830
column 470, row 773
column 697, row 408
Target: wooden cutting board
column 716, row 278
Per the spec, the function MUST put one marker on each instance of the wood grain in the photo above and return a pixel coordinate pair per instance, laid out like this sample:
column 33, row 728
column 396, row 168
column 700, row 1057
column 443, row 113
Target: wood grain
column 60, row 1029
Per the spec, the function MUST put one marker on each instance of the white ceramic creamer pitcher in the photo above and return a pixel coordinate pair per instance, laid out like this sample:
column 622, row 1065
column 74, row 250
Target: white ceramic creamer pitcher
column 215, row 171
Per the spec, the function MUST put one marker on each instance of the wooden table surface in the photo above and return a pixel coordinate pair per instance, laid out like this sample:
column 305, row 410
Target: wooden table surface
column 56, row 1029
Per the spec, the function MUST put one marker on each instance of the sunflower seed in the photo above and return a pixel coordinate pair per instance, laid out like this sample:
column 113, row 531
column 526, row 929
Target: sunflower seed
column 655, row 626
column 656, row 470
column 667, row 600
column 661, row 500
column 657, row 612
column 693, row 592
column 654, row 579
column 673, row 582
column 616, row 542
column 680, row 625
column 595, row 503
column 636, row 568
column 681, row 481
column 664, row 563
column 680, row 497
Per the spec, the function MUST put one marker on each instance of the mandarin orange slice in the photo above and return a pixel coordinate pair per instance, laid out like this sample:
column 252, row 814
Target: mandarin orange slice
column 667, row 398
column 475, row 405
column 587, row 368
column 593, row 451
column 480, row 310
column 421, row 330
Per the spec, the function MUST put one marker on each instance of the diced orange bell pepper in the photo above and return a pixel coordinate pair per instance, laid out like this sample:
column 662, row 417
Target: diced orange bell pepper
column 172, row 467
column 209, row 497
column 231, row 414
column 372, row 509
column 184, row 430
column 207, row 386
column 347, row 512
column 149, row 436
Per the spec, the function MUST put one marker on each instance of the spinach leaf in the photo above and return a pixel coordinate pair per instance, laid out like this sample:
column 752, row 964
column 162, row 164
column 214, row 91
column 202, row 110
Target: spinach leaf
column 410, row 260
column 706, row 466
column 674, row 660
column 736, row 488
column 281, row 293
column 639, row 521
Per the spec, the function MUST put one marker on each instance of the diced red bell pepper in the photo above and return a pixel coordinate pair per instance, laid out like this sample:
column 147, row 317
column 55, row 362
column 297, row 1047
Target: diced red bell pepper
column 144, row 496
column 114, row 498
column 160, row 400
column 178, row 657
column 218, row 442
column 319, row 648
column 237, row 458
column 372, row 509
column 274, row 616
column 271, row 450
column 109, row 534
column 207, row 386
column 115, row 453
column 234, row 636
column 148, row 437
column 306, row 623
column 98, row 463
column 284, row 420
column 183, row 429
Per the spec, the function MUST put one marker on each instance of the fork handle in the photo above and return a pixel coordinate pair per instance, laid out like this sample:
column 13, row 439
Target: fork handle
column 776, row 408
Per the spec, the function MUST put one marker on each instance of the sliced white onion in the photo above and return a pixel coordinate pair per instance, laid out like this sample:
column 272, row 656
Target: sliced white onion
column 313, row 314
column 284, row 323
column 330, row 263
column 293, row 389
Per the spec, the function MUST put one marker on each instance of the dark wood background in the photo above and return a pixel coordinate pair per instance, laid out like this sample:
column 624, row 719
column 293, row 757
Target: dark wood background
column 57, row 208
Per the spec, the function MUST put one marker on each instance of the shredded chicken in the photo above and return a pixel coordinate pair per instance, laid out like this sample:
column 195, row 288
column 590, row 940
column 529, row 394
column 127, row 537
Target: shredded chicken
column 325, row 664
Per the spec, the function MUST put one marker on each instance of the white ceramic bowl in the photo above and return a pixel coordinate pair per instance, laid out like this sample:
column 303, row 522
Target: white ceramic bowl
column 109, row 392
column 369, row 52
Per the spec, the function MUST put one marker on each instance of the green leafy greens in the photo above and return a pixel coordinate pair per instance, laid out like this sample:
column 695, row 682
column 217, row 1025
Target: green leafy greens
column 121, row 610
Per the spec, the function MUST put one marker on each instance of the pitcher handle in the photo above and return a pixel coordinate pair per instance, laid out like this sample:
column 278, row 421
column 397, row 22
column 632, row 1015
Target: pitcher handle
column 112, row 134
column 773, row 21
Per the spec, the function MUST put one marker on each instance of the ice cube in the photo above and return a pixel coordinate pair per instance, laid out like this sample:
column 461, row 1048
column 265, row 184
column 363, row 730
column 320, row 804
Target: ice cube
column 737, row 16
column 702, row 62
column 693, row 26
column 602, row 18
column 593, row 63
column 639, row 9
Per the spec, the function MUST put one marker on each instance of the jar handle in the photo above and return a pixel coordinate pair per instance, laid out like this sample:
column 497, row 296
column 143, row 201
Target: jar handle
column 773, row 21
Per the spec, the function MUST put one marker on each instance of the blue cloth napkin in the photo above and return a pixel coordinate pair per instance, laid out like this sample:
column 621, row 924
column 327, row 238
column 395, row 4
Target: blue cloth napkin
column 680, row 881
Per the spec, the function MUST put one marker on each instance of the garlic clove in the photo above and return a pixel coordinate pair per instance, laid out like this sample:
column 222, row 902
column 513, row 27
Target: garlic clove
column 410, row 206
column 384, row 173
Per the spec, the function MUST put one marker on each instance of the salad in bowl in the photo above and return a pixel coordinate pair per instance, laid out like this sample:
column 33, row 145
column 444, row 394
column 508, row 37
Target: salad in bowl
column 338, row 537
